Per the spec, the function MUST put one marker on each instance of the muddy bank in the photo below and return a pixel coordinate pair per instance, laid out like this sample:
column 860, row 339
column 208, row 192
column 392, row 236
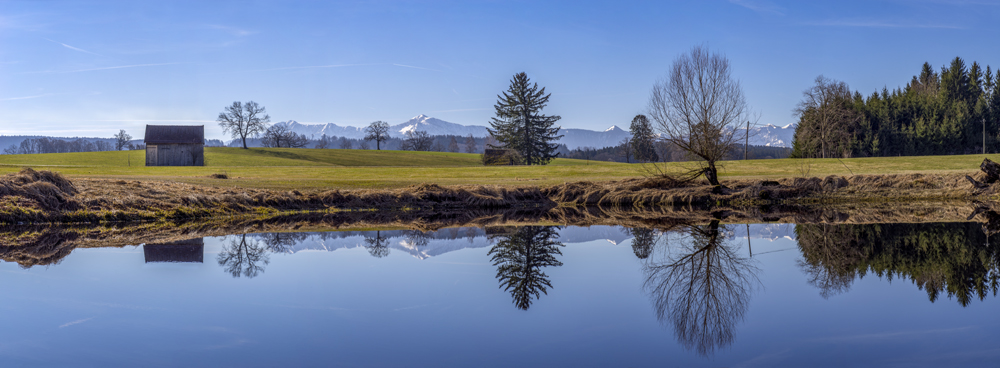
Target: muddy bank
column 45, row 197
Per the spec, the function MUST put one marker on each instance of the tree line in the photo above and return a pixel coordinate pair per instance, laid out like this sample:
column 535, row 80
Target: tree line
column 955, row 110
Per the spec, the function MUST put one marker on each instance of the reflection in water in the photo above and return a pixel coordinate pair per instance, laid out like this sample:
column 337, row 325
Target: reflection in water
column 956, row 258
column 643, row 240
column 519, row 256
column 189, row 250
column 281, row 242
column 244, row 257
column 378, row 245
column 702, row 287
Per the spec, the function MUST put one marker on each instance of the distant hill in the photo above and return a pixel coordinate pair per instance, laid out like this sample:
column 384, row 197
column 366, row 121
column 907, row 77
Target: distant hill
column 767, row 135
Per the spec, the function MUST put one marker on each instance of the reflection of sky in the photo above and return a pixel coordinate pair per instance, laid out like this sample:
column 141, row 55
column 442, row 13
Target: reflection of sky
column 107, row 307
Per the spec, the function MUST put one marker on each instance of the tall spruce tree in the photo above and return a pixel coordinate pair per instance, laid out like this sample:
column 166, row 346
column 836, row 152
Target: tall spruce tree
column 643, row 139
column 519, row 124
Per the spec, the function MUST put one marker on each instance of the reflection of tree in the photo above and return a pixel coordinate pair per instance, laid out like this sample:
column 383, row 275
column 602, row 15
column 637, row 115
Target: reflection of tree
column 243, row 258
column 378, row 246
column 643, row 240
column 520, row 256
column 281, row 242
column 956, row 258
column 703, row 288
column 417, row 238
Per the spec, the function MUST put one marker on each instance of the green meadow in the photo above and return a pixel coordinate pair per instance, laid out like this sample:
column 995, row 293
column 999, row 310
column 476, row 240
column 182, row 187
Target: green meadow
column 295, row 168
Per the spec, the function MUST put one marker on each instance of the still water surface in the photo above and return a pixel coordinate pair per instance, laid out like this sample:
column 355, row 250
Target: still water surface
column 708, row 295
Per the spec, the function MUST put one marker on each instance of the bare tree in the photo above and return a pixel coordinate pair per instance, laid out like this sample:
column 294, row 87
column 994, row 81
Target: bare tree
column 363, row 145
column 281, row 135
column 453, row 145
column 377, row 131
column 347, row 144
column 825, row 115
column 121, row 140
column 417, row 141
column 243, row 120
column 470, row 144
column 698, row 107
column 324, row 142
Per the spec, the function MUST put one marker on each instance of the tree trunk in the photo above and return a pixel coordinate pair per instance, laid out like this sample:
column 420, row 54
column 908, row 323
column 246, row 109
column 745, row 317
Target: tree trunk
column 244, row 138
column 711, row 173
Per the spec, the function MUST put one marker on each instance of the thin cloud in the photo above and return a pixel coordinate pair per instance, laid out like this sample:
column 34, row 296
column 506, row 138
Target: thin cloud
column 310, row 67
column 760, row 6
column 458, row 110
column 79, row 321
column 415, row 67
column 25, row 97
column 74, row 48
column 96, row 69
column 879, row 24
column 232, row 30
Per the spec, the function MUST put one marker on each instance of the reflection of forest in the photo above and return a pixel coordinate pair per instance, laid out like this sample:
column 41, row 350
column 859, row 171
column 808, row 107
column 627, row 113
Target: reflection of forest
column 519, row 255
column 956, row 258
column 699, row 282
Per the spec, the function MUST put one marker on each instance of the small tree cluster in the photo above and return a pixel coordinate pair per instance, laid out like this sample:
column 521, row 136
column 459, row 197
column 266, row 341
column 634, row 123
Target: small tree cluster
column 282, row 136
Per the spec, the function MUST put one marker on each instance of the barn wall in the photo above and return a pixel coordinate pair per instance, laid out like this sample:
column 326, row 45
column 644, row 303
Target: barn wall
column 175, row 155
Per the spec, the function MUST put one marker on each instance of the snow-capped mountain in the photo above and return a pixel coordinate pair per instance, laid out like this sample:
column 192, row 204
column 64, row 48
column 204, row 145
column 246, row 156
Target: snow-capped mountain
column 767, row 135
column 772, row 135
column 576, row 138
column 435, row 126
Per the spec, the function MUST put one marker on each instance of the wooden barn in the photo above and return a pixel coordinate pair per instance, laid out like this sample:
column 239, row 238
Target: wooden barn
column 175, row 145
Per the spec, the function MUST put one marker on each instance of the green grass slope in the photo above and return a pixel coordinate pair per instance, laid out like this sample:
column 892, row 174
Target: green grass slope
column 287, row 168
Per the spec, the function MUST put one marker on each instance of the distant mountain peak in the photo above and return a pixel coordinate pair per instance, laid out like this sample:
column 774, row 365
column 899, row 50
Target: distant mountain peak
column 613, row 128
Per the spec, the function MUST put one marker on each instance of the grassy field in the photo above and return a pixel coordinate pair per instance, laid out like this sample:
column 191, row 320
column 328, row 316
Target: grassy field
column 283, row 168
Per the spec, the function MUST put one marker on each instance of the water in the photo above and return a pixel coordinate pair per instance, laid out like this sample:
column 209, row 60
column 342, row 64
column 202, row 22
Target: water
column 706, row 295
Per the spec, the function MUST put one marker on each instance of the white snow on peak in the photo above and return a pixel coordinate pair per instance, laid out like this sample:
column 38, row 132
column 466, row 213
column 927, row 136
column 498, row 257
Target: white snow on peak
column 790, row 125
column 612, row 128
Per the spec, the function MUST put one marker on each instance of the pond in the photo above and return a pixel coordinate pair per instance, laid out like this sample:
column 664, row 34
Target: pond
column 710, row 294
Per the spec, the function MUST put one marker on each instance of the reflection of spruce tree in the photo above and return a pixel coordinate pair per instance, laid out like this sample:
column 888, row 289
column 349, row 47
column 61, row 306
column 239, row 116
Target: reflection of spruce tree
column 378, row 246
column 519, row 258
column 643, row 240
column 955, row 258
column 703, row 288
column 242, row 257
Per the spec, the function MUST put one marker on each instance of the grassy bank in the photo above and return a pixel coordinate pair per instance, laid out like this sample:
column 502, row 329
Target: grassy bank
column 314, row 169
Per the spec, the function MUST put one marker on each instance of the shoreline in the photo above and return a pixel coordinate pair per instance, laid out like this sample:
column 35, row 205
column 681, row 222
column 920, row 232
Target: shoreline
column 44, row 197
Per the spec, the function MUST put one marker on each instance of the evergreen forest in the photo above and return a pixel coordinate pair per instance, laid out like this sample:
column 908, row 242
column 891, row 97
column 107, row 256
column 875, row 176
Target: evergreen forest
column 955, row 110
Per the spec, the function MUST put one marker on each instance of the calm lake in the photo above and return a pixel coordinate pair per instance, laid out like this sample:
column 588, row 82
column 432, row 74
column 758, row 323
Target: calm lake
column 700, row 295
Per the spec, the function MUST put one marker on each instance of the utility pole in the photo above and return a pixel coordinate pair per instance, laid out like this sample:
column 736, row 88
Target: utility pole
column 984, row 135
column 746, row 143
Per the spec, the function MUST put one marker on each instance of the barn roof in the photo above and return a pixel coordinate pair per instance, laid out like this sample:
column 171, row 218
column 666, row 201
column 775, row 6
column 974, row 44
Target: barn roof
column 175, row 134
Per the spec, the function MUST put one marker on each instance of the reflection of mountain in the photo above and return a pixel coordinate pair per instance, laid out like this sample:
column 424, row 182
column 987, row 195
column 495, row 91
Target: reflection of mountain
column 953, row 258
column 426, row 245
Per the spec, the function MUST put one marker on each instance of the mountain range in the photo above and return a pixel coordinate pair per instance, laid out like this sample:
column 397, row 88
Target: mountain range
column 767, row 135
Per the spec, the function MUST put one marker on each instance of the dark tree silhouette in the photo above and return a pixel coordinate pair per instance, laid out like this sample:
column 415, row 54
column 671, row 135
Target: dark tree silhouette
column 377, row 131
column 703, row 288
column 520, row 257
column 519, row 124
column 643, row 241
column 244, row 257
column 378, row 246
column 244, row 120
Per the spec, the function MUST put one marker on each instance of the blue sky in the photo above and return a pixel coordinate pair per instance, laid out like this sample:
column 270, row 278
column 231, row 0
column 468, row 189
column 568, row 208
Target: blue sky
column 90, row 68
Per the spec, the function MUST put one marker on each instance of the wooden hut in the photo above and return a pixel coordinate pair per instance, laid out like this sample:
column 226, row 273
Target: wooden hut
column 190, row 250
column 175, row 145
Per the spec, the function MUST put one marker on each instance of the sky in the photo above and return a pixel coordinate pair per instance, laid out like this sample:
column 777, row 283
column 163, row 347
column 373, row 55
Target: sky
column 90, row 68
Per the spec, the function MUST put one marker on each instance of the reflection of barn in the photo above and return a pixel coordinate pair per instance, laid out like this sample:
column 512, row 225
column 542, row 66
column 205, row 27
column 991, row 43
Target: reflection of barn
column 175, row 145
column 191, row 250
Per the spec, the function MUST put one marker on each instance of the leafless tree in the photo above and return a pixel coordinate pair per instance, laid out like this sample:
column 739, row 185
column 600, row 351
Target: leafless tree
column 243, row 120
column 453, row 145
column 825, row 114
column 346, row 143
column 281, row 135
column 379, row 132
column 470, row 144
column 324, row 142
column 417, row 141
column 121, row 140
column 243, row 257
column 700, row 108
column 363, row 145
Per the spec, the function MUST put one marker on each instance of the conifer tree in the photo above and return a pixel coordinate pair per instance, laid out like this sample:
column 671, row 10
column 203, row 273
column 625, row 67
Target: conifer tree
column 519, row 124
column 642, row 139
